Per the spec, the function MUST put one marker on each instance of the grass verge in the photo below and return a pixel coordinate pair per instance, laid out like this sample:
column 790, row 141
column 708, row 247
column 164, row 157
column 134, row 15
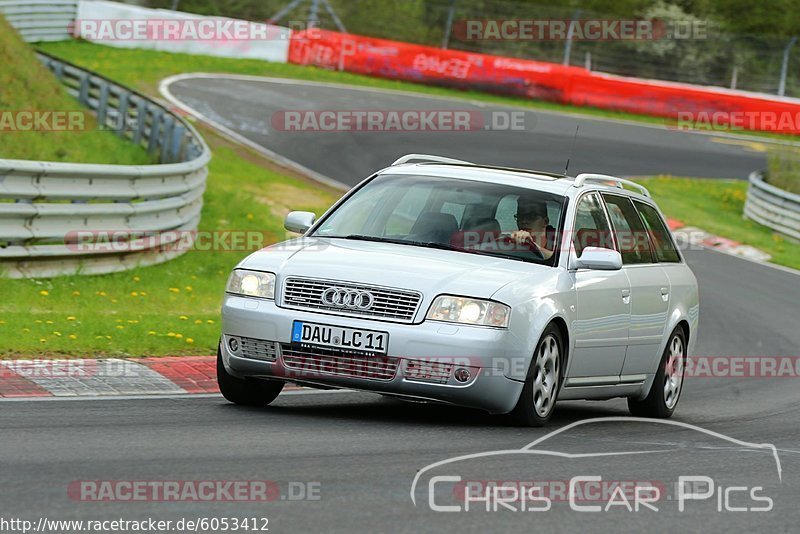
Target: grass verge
column 27, row 86
column 784, row 169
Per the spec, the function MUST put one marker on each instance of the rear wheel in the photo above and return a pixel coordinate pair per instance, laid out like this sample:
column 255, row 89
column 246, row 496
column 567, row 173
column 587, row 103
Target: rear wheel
column 247, row 391
column 537, row 401
column 668, row 383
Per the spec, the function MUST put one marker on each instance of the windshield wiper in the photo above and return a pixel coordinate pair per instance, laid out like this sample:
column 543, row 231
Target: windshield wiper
column 376, row 238
column 430, row 244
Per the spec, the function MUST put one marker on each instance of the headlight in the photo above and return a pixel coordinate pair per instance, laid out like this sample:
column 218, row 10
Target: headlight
column 251, row 284
column 469, row 311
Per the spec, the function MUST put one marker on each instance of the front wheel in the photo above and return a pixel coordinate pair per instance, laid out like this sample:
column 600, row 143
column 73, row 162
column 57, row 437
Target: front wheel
column 538, row 398
column 248, row 391
column 668, row 383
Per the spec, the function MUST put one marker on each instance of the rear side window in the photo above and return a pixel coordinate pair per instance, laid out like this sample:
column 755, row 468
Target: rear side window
column 631, row 235
column 659, row 234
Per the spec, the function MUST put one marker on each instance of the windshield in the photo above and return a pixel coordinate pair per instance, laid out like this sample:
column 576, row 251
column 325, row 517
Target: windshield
column 465, row 216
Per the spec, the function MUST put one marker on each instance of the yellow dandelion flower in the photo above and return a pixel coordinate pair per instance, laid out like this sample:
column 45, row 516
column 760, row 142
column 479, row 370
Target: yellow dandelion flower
column 179, row 336
column 71, row 318
column 171, row 334
column 182, row 317
column 113, row 301
column 76, row 293
column 57, row 333
column 26, row 330
column 44, row 292
column 142, row 294
column 133, row 321
column 134, row 294
column 198, row 321
column 43, row 340
column 188, row 288
column 108, row 337
column 189, row 340
column 73, row 336
column 38, row 321
column 136, row 278
column 120, row 327
column 250, row 217
column 49, row 322
column 210, row 321
column 174, row 290
column 151, row 333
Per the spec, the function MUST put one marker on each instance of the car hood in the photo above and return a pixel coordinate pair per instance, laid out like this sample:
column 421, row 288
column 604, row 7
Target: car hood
column 429, row 271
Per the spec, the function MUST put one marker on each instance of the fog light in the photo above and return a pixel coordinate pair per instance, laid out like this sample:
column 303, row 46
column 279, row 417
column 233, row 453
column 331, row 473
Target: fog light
column 233, row 343
column 462, row 374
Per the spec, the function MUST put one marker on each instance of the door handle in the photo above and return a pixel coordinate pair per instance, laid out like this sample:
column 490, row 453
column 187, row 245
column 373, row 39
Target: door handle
column 665, row 294
column 626, row 296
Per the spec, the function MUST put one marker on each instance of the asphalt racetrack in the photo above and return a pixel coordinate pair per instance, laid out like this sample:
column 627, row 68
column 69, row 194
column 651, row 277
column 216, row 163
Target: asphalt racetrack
column 257, row 111
column 357, row 455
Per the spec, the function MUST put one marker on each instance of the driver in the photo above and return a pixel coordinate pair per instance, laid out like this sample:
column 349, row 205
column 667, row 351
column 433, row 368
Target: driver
column 532, row 222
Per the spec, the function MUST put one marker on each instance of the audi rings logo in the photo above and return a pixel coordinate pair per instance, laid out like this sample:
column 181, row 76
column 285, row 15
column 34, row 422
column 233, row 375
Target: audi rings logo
column 352, row 299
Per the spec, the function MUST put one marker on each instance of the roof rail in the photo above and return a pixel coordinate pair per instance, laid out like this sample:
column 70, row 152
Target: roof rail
column 427, row 157
column 582, row 178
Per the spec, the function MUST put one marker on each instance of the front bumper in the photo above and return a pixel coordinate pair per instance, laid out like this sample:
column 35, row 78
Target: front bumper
column 487, row 353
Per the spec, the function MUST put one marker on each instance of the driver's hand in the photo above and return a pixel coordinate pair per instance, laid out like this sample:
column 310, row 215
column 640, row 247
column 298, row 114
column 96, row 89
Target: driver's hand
column 521, row 237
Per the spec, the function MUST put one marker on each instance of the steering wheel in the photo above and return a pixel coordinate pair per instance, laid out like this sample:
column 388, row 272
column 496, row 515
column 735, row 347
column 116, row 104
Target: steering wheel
column 530, row 243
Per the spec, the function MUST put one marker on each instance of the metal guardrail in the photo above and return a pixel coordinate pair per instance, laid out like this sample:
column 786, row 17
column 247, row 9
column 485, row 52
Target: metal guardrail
column 41, row 20
column 44, row 205
column 772, row 207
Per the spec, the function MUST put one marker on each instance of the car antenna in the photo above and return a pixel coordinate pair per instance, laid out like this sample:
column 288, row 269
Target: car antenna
column 566, row 168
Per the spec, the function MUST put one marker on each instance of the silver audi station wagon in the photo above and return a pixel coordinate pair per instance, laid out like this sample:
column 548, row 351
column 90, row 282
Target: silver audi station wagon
column 494, row 288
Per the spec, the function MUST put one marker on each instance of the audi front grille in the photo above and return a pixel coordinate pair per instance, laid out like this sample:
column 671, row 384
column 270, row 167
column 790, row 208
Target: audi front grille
column 335, row 362
column 351, row 299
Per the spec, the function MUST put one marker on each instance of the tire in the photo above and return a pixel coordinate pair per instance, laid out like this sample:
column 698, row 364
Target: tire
column 248, row 391
column 667, row 386
column 538, row 398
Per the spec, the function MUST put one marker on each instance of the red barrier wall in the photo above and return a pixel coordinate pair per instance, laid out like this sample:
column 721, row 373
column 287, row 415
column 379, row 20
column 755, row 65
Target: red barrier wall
column 546, row 81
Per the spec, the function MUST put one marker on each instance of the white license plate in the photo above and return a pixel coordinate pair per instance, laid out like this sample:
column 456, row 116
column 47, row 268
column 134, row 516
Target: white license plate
column 349, row 339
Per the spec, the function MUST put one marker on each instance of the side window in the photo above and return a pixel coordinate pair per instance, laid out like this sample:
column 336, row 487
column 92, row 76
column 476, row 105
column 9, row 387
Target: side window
column 631, row 235
column 591, row 225
column 456, row 210
column 659, row 234
column 506, row 213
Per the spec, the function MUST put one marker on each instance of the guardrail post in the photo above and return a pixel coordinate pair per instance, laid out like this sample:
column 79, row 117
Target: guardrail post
column 155, row 128
column 141, row 120
column 102, row 105
column 83, row 95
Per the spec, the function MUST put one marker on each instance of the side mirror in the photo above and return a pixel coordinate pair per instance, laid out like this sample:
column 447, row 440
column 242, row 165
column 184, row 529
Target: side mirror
column 299, row 221
column 599, row 259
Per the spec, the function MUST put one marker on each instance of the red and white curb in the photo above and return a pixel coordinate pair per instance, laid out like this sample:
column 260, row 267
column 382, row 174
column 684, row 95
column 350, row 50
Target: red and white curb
column 691, row 236
column 176, row 375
